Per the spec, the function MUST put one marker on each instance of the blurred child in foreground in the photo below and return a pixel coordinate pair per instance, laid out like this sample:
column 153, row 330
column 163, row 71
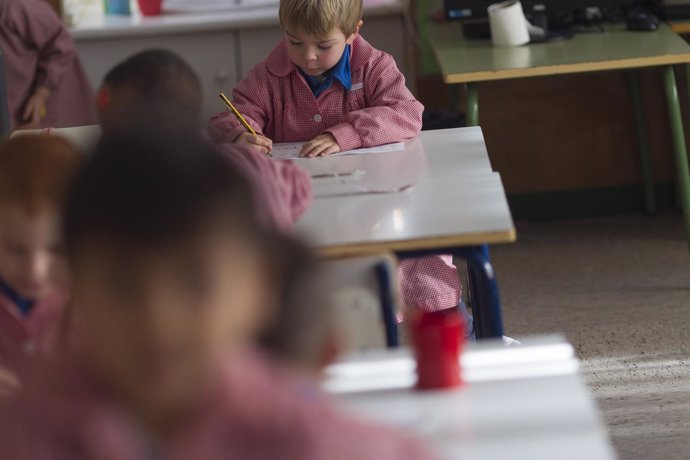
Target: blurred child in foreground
column 302, row 332
column 172, row 278
column 34, row 174
column 158, row 85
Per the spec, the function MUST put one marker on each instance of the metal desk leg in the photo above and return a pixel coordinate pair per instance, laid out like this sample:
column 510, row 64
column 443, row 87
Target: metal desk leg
column 453, row 98
column 486, row 307
column 390, row 321
column 472, row 114
column 679, row 148
column 470, row 277
column 643, row 144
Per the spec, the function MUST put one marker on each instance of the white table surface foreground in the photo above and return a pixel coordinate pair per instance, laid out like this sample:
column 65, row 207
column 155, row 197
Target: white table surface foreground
column 441, row 192
column 524, row 402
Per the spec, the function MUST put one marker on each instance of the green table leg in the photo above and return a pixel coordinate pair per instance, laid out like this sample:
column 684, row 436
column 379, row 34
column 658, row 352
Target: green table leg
column 676, row 196
column 453, row 98
column 472, row 113
column 643, row 144
column 679, row 149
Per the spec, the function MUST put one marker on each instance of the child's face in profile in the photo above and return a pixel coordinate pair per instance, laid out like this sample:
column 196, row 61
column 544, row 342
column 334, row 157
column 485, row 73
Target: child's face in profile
column 30, row 251
column 154, row 324
column 316, row 55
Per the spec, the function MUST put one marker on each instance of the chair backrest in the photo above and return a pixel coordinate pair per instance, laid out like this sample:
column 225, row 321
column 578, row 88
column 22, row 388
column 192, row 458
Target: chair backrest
column 366, row 302
column 4, row 106
column 83, row 138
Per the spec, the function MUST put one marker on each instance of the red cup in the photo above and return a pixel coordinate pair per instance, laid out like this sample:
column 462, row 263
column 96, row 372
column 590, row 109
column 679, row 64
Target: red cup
column 437, row 339
column 150, row 7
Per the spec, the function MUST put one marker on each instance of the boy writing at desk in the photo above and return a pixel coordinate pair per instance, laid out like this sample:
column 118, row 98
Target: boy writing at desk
column 324, row 84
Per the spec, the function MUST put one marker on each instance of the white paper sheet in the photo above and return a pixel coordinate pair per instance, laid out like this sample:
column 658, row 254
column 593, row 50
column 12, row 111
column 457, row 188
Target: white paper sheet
column 204, row 6
column 291, row 150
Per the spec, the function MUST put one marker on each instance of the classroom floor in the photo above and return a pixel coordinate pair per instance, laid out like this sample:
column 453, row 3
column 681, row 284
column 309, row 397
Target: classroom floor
column 619, row 289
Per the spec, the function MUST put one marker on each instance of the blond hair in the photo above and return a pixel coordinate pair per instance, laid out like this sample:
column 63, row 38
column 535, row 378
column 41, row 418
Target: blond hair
column 318, row 18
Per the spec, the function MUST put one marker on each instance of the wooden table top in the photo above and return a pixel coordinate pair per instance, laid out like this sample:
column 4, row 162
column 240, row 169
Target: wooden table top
column 463, row 61
column 454, row 198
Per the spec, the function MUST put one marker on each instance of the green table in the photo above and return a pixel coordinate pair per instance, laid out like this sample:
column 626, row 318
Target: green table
column 469, row 62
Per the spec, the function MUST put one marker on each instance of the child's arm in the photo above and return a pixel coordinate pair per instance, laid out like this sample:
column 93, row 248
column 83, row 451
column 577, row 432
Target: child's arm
column 249, row 99
column 393, row 114
column 41, row 29
column 284, row 190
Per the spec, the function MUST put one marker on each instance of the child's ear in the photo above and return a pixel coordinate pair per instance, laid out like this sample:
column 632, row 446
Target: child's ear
column 352, row 37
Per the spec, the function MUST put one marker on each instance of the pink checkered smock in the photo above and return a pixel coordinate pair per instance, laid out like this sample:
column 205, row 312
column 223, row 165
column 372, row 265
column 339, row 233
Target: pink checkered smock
column 38, row 51
column 251, row 411
column 379, row 109
column 38, row 333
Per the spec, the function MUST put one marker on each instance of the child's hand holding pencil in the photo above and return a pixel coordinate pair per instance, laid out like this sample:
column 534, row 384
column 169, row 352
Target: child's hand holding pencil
column 256, row 141
column 250, row 138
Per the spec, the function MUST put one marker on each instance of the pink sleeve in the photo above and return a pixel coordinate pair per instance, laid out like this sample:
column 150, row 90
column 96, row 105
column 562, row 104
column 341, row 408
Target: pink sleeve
column 429, row 283
column 41, row 29
column 335, row 436
column 283, row 189
column 393, row 114
column 249, row 98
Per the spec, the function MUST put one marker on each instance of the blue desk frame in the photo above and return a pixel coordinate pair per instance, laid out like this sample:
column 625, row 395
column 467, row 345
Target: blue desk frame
column 488, row 322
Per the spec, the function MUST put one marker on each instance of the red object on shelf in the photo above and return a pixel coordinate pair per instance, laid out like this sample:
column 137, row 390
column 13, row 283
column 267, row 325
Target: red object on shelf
column 150, row 7
column 438, row 338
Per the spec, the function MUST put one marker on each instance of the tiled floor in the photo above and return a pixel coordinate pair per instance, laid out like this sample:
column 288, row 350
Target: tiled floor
column 619, row 289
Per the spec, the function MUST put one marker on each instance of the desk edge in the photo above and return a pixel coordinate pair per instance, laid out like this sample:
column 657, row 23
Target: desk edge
column 680, row 27
column 378, row 247
column 583, row 67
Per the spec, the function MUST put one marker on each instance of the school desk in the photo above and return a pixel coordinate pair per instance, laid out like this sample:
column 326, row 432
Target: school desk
column 471, row 62
column 527, row 402
column 438, row 196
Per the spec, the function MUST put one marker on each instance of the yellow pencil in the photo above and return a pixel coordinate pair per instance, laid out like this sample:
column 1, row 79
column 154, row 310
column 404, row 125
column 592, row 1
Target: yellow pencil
column 237, row 114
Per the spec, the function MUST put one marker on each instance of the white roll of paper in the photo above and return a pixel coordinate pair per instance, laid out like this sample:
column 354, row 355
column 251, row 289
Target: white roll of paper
column 508, row 24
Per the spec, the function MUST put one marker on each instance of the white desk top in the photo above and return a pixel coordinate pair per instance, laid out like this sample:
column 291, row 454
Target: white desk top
column 517, row 403
column 91, row 23
column 455, row 199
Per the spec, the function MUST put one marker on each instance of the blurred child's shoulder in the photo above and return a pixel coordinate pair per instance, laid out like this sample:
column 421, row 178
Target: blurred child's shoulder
column 291, row 412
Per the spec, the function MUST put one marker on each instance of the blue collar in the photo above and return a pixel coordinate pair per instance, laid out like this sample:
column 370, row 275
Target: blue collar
column 340, row 71
column 23, row 305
